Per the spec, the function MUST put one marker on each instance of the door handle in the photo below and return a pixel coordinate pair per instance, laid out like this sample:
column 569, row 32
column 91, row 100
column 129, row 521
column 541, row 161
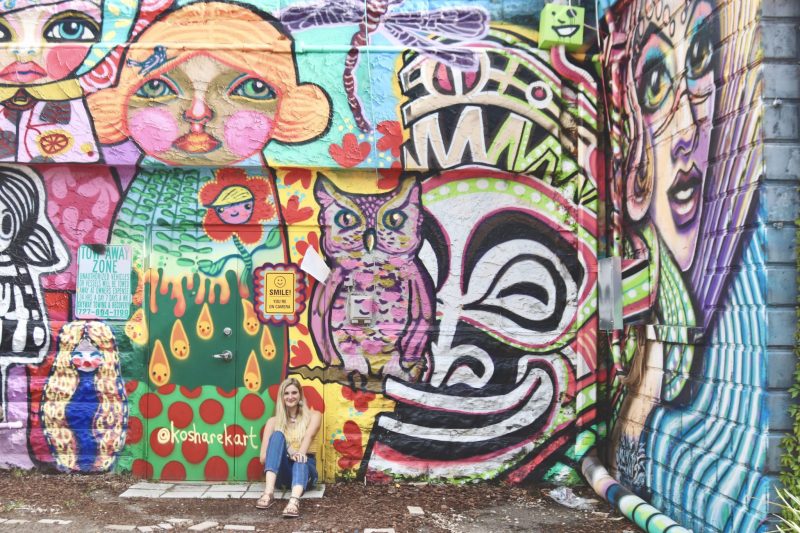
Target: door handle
column 227, row 355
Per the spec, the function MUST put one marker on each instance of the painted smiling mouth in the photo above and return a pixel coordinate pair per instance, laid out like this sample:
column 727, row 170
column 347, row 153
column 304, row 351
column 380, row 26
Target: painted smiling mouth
column 197, row 143
column 566, row 30
column 684, row 196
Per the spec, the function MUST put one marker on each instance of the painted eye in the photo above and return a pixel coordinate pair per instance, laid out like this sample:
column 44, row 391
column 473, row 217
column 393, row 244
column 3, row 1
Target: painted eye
column 655, row 88
column 6, row 225
column 5, row 34
column 394, row 219
column 254, row 89
column 346, row 219
column 701, row 50
column 156, row 88
column 72, row 29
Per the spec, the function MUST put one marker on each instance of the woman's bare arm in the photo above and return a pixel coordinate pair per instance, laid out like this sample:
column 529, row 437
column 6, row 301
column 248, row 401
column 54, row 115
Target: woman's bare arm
column 313, row 426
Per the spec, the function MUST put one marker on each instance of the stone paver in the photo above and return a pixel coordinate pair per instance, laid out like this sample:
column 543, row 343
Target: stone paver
column 146, row 485
column 219, row 494
column 147, row 529
column 231, row 487
column 383, row 530
column 14, row 521
column 188, row 486
column 142, row 493
column 120, row 527
column 236, row 527
column 184, row 494
column 55, row 521
column 203, row 526
column 179, row 521
column 166, row 526
column 416, row 511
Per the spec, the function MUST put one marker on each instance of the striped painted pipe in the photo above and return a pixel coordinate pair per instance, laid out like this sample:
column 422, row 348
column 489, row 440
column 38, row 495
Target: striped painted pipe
column 634, row 508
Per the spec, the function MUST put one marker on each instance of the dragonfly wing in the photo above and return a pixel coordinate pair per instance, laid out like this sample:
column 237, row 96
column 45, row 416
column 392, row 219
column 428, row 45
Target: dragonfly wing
column 461, row 58
column 302, row 17
column 456, row 23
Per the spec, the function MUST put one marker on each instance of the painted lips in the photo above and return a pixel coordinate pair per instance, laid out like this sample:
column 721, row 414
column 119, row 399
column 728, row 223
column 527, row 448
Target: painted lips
column 684, row 196
column 197, row 143
column 22, row 72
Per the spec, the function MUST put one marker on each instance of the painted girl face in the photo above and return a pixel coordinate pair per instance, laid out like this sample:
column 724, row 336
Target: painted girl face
column 46, row 43
column 674, row 75
column 235, row 213
column 86, row 357
column 202, row 111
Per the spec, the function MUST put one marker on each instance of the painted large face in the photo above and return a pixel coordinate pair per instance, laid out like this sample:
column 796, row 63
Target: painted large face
column 674, row 77
column 202, row 111
column 510, row 261
column 47, row 41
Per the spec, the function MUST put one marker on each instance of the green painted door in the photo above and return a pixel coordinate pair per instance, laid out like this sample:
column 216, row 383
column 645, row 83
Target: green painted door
column 210, row 360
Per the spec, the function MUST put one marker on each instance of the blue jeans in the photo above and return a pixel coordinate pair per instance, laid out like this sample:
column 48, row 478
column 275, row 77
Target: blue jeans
column 289, row 473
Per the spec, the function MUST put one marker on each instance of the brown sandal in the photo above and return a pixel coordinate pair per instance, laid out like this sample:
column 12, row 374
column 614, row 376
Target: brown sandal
column 266, row 501
column 292, row 509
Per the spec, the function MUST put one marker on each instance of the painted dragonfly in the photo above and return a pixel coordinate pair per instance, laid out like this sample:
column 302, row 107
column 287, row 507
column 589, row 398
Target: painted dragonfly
column 413, row 30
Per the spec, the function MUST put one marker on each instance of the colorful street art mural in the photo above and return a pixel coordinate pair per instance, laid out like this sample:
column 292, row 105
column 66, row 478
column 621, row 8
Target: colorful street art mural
column 690, row 423
column 402, row 204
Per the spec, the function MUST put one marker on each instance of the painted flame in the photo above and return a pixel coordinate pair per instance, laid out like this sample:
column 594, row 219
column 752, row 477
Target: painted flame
column 267, row 344
column 205, row 326
column 158, row 370
column 179, row 341
column 250, row 322
column 136, row 328
column 252, row 373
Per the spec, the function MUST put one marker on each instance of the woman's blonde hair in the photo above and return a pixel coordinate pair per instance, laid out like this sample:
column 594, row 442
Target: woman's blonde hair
column 303, row 415
column 234, row 35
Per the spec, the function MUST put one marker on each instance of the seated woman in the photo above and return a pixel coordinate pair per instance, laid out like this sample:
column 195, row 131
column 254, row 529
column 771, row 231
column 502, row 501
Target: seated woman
column 288, row 447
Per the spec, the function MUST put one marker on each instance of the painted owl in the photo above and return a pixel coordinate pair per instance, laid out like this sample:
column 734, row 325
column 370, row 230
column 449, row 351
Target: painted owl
column 371, row 241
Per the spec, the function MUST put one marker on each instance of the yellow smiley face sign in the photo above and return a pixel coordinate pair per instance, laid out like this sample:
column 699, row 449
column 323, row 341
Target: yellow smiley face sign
column 280, row 296
column 280, row 293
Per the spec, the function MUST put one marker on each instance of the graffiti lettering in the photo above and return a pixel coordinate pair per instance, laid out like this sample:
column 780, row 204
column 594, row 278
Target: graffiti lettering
column 224, row 438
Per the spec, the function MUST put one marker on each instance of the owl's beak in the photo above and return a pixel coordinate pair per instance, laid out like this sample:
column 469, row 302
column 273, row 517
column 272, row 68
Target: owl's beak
column 369, row 239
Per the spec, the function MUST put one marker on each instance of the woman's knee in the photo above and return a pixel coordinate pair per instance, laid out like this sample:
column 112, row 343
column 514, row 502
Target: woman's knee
column 277, row 436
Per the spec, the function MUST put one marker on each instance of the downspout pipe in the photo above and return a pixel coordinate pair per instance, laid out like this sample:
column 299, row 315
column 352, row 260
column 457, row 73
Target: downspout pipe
column 631, row 506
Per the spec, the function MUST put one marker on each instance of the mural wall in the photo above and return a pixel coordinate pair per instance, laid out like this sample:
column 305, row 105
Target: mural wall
column 442, row 168
column 403, row 204
column 689, row 379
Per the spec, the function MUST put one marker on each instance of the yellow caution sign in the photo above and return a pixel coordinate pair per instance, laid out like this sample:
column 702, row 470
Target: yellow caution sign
column 280, row 296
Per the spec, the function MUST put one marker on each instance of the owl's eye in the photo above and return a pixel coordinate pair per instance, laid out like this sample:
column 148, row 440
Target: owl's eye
column 394, row 219
column 346, row 219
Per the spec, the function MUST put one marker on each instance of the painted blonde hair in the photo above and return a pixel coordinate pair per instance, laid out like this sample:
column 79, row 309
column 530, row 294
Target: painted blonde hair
column 234, row 35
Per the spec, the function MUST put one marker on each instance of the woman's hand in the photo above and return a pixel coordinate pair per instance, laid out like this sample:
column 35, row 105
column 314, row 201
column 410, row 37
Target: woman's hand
column 299, row 457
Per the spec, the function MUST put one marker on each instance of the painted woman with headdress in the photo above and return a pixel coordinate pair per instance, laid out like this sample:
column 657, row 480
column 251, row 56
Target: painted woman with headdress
column 84, row 406
column 685, row 191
